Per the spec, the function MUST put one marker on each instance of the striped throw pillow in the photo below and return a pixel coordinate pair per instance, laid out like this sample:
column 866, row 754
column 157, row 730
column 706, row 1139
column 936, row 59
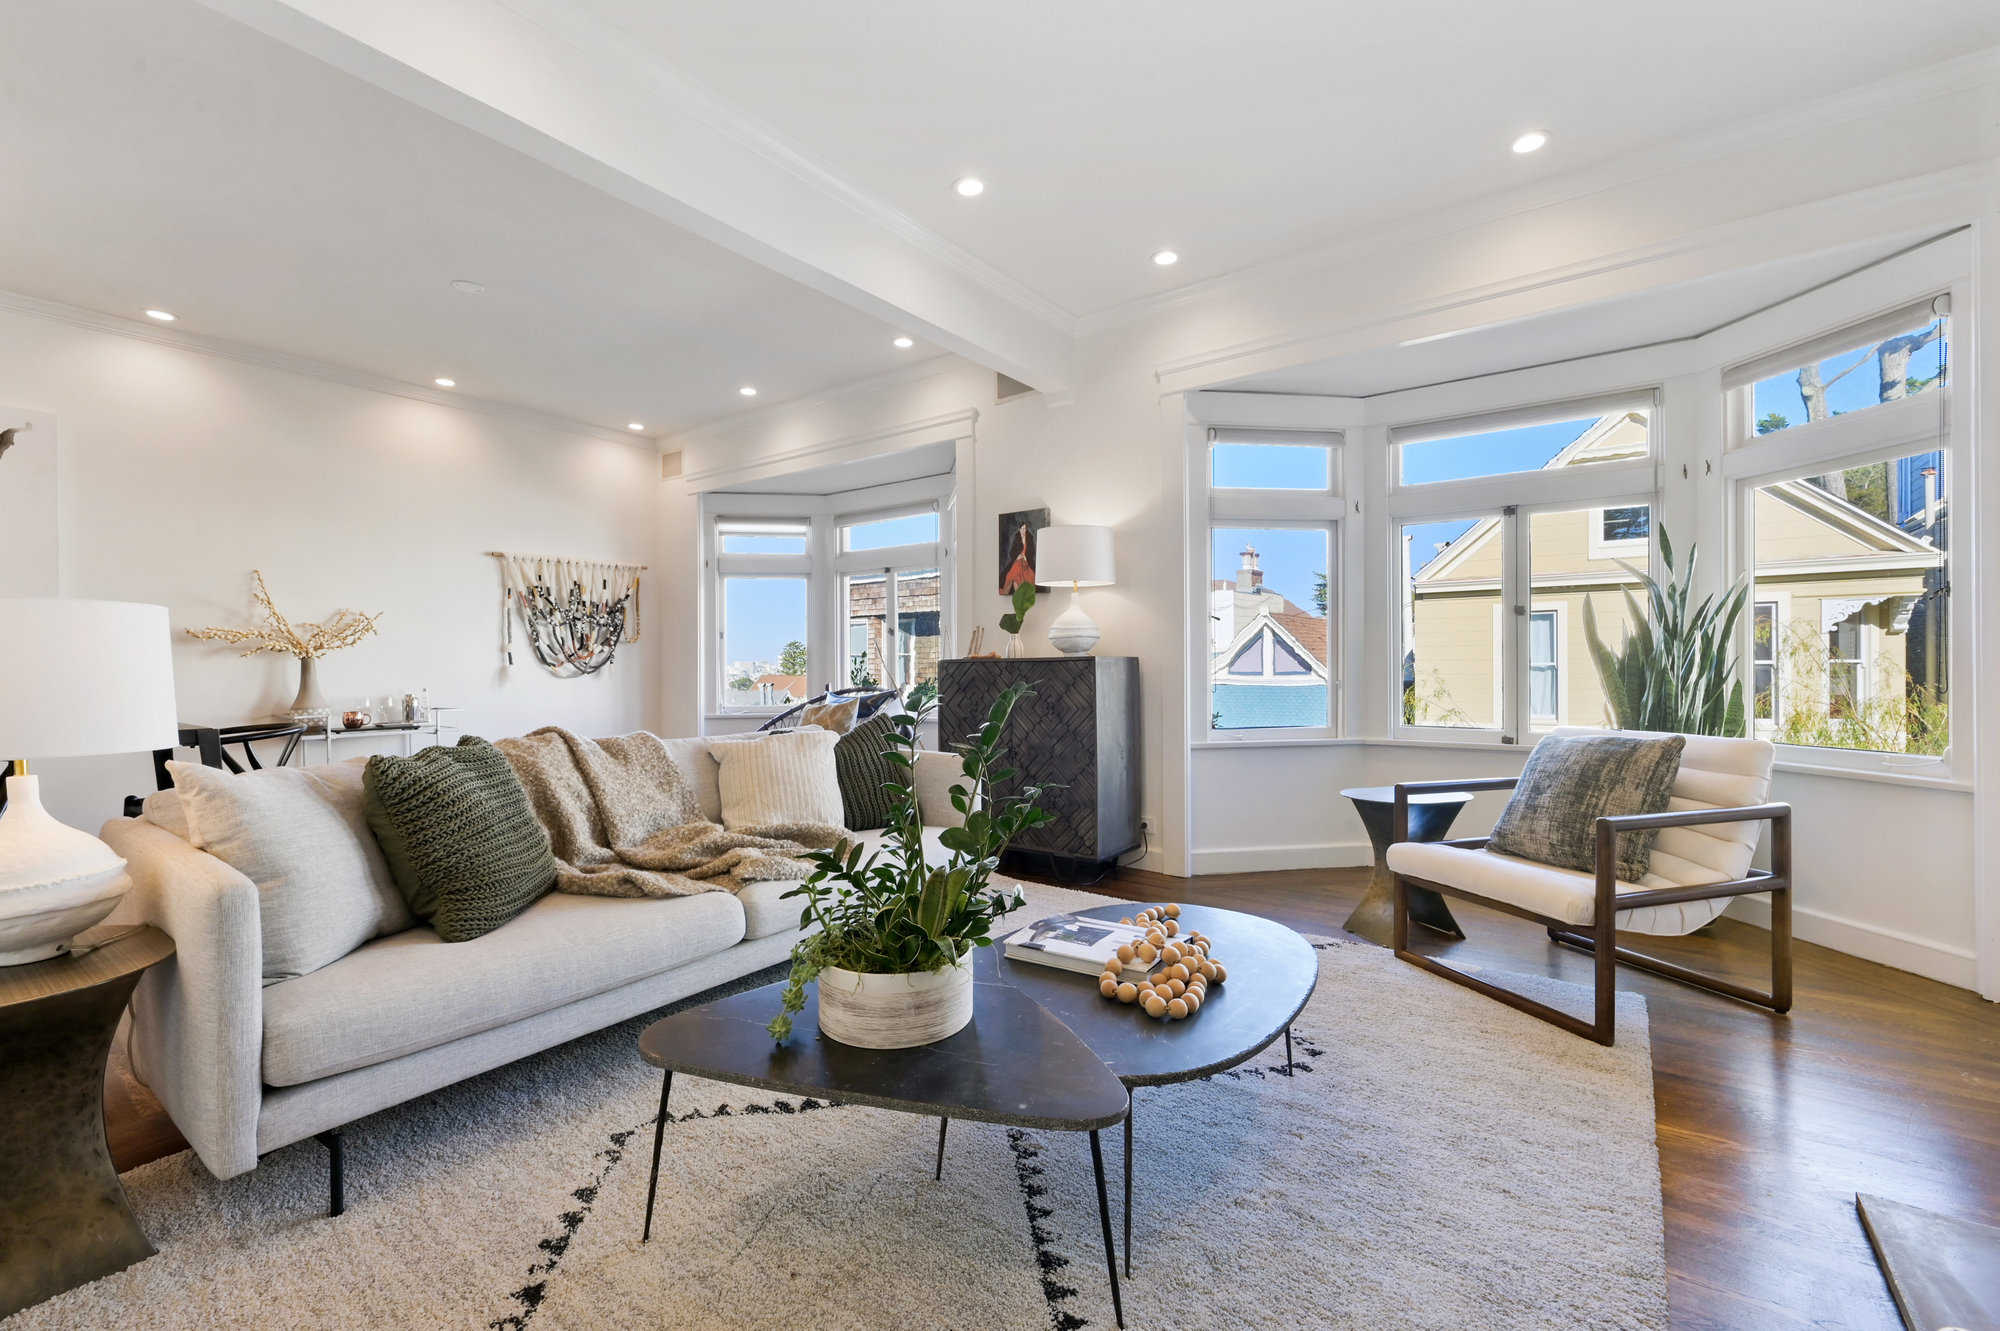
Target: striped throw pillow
column 865, row 774
column 784, row 779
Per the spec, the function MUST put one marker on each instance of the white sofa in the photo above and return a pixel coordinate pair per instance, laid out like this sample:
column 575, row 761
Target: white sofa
column 245, row 1068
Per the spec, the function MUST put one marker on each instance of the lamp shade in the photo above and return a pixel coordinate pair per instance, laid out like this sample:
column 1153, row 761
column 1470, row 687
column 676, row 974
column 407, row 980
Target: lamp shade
column 84, row 677
column 1080, row 556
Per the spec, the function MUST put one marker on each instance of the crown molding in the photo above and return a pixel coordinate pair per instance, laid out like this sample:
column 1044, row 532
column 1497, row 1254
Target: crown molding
column 931, row 368
column 1970, row 71
column 619, row 51
column 1975, row 185
column 262, row 357
column 934, row 429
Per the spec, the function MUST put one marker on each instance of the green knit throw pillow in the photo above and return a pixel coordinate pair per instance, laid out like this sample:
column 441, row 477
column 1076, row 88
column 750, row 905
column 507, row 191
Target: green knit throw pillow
column 864, row 772
column 460, row 836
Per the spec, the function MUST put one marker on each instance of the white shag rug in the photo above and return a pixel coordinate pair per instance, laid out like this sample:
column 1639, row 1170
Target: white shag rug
column 1432, row 1160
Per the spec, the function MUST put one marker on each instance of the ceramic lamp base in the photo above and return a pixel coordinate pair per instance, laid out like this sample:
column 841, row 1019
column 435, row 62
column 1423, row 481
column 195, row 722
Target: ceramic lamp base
column 1073, row 633
column 55, row 881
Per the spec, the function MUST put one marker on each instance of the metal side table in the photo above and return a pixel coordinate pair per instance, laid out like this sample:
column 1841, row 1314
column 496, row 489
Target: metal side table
column 1431, row 817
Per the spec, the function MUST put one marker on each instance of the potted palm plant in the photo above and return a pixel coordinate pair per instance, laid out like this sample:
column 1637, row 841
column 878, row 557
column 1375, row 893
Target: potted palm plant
column 1675, row 671
column 893, row 947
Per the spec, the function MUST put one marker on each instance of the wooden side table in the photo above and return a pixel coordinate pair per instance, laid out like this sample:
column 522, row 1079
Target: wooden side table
column 64, row 1219
column 1430, row 818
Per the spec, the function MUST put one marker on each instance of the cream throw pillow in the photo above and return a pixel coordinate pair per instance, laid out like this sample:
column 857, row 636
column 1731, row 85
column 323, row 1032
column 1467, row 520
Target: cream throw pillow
column 299, row 834
column 783, row 779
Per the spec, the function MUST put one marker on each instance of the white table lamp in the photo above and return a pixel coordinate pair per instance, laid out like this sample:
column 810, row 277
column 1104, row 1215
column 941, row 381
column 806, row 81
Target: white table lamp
column 1081, row 557
column 76, row 678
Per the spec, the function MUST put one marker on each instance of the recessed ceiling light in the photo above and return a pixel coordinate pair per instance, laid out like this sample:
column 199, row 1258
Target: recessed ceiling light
column 161, row 315
column 635, row 425
column 1530, row 141
column 467, row 285
column 747, row 391
column 906, row 342
column 445, row 383
column 969, row 185
column 1165, row 257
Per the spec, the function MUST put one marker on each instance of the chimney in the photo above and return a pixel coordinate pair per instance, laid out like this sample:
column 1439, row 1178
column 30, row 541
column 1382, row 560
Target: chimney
column 1930, row 497
column 1249, row 577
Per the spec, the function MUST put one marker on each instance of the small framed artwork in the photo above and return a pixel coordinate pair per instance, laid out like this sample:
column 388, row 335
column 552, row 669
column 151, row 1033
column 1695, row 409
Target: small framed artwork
column 1017, row 546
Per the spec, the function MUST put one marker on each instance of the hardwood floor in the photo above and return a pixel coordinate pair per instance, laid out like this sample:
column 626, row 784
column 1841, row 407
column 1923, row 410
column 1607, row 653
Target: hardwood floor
column 1877, row 1081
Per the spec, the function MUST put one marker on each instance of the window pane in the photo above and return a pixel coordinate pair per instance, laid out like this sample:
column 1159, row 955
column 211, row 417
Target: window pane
column 762, row 538
column 866, row 597
column 1865, row 376
column 915, row 529
column 919, row 627
column 1627, row 524
column 1451, row 622
column 1614, row 438
column 1852, row 580
column 763, row 641
column 1271, row 466
column 1268, row 640
column 1567, row 571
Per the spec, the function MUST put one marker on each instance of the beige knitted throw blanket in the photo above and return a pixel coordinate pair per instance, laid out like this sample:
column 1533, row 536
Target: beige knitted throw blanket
column 623, row 820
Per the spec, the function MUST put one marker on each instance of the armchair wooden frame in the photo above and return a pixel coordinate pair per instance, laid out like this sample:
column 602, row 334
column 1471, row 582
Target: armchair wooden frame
column 1601, row 937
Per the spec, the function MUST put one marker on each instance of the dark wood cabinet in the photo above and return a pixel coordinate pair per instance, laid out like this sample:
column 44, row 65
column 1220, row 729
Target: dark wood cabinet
column 1079, row 730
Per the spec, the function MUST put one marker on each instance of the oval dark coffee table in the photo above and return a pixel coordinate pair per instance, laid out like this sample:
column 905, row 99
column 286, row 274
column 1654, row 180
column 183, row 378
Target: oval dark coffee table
column 1272, row 972
column 1015, row 1064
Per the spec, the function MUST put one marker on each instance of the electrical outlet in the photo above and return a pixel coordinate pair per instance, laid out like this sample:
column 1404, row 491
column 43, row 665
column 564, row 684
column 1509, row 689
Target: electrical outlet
column 1147, row 822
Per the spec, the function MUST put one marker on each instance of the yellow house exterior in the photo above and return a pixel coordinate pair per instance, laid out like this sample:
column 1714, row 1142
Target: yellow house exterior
column 1831, row 608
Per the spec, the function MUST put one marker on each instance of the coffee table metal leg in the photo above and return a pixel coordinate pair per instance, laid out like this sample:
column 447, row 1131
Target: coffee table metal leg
column 943, row 1125
column 1288, row 1051
column 659, row 1130
column 1131, row 1097
column 1104, row 1219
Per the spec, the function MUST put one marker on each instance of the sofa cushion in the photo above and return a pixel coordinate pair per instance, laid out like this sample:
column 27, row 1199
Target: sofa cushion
column 779, row 781
column 460, row 836
column 298, row 833
column 166, row 809
column 1570, row 781
column 691, row 755
column 865, row 774
column 765, row 912
column 413, row 991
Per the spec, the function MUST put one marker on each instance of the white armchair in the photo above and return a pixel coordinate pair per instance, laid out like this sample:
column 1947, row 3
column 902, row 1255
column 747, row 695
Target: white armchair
column 1701, row 861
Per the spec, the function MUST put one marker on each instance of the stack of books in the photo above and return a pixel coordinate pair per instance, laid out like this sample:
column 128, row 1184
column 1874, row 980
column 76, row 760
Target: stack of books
column 1078, row 943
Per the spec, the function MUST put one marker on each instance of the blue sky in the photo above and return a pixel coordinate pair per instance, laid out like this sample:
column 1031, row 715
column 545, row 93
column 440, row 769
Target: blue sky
column 1291, row 558
column 1529, row 448
column 761, row 615
column 1862, row 388
column 1425, row 537
column 1270, row 466
column 893, row 531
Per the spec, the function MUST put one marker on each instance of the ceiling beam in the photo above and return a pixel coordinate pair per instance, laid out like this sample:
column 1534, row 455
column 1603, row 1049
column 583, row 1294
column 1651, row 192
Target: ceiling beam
column 552, row 81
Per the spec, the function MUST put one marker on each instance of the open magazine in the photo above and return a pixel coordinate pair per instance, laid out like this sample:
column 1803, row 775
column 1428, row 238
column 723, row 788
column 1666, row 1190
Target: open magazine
column 1077, row 943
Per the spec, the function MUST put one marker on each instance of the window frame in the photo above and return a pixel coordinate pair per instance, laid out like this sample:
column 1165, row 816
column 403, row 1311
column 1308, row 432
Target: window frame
column 1212, row 507
column 1516, row 498
column 824, row 566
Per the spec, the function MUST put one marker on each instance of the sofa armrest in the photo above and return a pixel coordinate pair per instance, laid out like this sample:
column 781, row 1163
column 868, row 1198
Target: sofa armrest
column 933, row 777
column 197, row 1018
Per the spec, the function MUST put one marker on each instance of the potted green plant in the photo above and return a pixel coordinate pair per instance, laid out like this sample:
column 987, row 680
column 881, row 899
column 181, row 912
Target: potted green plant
column 893, row 948
column 1676, row 669
column 1011, row 625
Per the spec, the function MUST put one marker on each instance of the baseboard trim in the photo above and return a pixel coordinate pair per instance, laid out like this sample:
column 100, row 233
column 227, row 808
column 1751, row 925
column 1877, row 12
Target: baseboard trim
column 1259, row 859
column 1942, row 962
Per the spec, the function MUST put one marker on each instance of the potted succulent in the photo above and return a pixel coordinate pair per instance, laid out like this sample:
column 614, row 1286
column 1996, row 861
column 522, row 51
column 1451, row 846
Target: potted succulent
column 893, row 949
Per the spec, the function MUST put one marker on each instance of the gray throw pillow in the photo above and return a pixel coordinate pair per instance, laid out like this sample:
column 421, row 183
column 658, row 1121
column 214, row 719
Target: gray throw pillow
column 864, row 773
column 460, row 836
column 1571, row 781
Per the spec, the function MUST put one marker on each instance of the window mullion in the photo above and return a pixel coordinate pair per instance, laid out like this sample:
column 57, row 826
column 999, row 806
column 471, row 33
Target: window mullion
column 1516, row 589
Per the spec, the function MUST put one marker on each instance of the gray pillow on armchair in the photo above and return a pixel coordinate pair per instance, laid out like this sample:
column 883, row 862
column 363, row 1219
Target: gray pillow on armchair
column 1571, row 781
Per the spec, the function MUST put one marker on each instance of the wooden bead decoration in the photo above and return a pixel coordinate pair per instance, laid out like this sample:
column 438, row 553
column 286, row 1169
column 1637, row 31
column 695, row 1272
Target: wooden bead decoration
column 1107, row 986
column 1147, row 952
column 1170, row 954
column 1125, row 953
column 1220, row 974
column 1171, row 928
column 1154, row 1007
column 1187, row 966
column 1193, row 1000
column 1177, row 1008
column 1176, row 988
column 1173, row 910
column 1128, row 992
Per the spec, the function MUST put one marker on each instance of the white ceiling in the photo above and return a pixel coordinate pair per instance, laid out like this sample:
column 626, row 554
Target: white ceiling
column 1659, row 314
column 156, row 153
column 1241, row 133
column 666, row 200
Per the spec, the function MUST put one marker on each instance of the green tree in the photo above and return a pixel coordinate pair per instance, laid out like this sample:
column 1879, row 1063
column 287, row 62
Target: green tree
column 792, row 661
column 1776, row 420
column 1319, row 594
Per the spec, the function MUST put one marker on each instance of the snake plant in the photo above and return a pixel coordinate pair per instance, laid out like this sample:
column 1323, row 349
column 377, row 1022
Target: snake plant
column 1676, row 669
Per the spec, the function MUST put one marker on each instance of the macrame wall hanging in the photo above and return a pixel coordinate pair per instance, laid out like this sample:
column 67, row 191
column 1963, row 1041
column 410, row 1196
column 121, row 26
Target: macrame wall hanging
column 575, row 612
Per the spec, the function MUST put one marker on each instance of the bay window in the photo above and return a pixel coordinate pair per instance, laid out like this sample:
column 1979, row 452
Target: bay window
column 1514, row 531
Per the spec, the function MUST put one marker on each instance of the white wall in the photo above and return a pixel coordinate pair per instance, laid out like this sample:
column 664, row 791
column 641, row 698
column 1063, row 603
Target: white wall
column 180, row 472
column 1113, row 452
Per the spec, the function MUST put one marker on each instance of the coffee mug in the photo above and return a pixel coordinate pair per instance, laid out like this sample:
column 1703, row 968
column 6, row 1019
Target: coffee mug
column 354, row 720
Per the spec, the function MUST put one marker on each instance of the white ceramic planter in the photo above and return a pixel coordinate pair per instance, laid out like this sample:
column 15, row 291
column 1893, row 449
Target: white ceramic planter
column 894, row 1011
column 55, row 881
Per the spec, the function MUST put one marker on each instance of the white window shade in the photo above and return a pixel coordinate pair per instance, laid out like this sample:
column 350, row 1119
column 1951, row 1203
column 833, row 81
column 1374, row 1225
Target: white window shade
column 1851, row 338
column 1545, row 413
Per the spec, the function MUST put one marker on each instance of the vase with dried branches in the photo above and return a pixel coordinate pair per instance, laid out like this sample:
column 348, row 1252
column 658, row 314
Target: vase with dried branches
column 306, row 641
